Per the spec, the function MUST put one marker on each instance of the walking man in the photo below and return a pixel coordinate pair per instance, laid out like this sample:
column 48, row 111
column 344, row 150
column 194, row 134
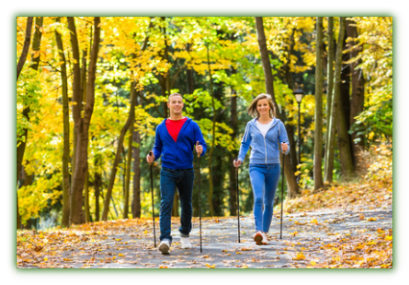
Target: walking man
column 175, row 140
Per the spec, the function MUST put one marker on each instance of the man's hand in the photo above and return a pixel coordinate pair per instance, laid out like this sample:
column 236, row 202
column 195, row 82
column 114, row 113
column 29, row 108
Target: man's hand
column 236, row 162
column 284, row 147
column 150, row 158
column 199, row 149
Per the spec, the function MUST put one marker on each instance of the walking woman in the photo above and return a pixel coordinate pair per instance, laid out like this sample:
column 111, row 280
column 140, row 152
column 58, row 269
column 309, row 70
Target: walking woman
column 266, row 135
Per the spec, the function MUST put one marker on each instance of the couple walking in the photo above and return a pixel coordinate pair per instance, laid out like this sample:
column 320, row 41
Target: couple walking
column 175, row 140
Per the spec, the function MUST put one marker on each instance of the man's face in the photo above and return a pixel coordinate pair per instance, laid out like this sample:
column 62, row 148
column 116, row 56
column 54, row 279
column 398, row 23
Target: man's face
column 175, row 105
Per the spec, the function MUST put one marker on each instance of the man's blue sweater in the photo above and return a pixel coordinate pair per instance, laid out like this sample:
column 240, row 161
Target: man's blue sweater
column 178, row 154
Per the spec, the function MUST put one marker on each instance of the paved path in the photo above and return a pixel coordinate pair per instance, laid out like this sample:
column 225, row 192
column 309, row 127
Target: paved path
column 306, row 232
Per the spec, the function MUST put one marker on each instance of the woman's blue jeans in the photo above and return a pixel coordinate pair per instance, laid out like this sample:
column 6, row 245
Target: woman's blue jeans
column 264, row 180
column 170, row 179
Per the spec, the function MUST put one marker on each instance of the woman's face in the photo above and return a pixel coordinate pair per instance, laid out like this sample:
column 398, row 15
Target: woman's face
column 263, row 108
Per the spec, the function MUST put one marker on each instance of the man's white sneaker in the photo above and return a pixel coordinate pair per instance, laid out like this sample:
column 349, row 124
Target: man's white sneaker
column 164, row 246
column 264, row 235
column 185, row 241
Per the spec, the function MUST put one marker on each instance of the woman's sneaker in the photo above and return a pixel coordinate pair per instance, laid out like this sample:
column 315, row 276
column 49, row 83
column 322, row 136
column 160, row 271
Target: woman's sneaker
column 164, row 246
column 258, row 237
column 185, row 241
column 264, row 241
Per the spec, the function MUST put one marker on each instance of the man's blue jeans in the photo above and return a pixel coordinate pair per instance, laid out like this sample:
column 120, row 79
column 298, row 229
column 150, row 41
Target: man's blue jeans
column 264, row 180
column 170, row 179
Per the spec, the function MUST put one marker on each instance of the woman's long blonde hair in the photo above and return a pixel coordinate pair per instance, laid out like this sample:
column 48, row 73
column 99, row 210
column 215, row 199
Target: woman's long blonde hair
column 252, row 110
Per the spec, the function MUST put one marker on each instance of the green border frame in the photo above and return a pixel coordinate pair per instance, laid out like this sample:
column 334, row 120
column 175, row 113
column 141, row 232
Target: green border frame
column 199, row 8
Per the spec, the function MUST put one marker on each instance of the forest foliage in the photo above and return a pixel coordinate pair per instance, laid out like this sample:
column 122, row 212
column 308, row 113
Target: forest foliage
column 215, row 63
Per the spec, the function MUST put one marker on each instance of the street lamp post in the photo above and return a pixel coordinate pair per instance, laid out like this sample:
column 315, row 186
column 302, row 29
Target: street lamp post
column 298, row 93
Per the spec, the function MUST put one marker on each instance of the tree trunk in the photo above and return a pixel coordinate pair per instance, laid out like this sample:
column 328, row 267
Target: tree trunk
column 37, row 42
column 82, row 124
column 292, row 185
column 129, row 157
column 210, row 154
column 22, row 141
column 166, row 82
column 66, row 153
column 329, row 140
column 86, row 202
column 289, row 81
column 26, row 46
column 128, row 123
column 97, row 183
column 219, row 155
column 136, row 204
column 345, row 102
column 232, row 170
column 357, row 78
column 342, row 131
column 318, row 183
column 175, row 207
column 190, row 89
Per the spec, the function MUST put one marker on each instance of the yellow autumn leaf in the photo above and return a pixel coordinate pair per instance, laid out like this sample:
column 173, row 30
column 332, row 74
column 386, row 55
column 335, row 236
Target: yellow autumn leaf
column 314, row 221
column 210, row 266
column 313, row 263
column 300, row 256
column 244, row 266
column 45, row 258
column 120, row 254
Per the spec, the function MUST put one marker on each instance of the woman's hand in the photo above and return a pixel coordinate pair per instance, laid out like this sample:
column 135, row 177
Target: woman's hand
column 284, row 147
column 236, row 162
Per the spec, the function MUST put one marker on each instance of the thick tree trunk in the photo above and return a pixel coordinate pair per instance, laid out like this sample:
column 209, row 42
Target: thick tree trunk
column 329, row 140
column 128, row 123
column 345, row 102
column 318, row 183
column 292, row 185
column 82, row 124
column 66, row 153
column 26, row 46
column 342, row 131
column 357, row 79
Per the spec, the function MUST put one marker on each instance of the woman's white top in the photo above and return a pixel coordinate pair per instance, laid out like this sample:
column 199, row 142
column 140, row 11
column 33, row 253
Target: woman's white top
column 264, row 127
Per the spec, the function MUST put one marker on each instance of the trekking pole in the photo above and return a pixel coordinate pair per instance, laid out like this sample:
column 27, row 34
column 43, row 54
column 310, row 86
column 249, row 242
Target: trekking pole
column 153, row 208
column 200, row 206
column 282, row 198
column 238, row 202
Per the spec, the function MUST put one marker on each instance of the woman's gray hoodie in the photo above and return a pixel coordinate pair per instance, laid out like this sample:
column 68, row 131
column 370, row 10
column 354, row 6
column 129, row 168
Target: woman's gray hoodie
column 264, row 150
